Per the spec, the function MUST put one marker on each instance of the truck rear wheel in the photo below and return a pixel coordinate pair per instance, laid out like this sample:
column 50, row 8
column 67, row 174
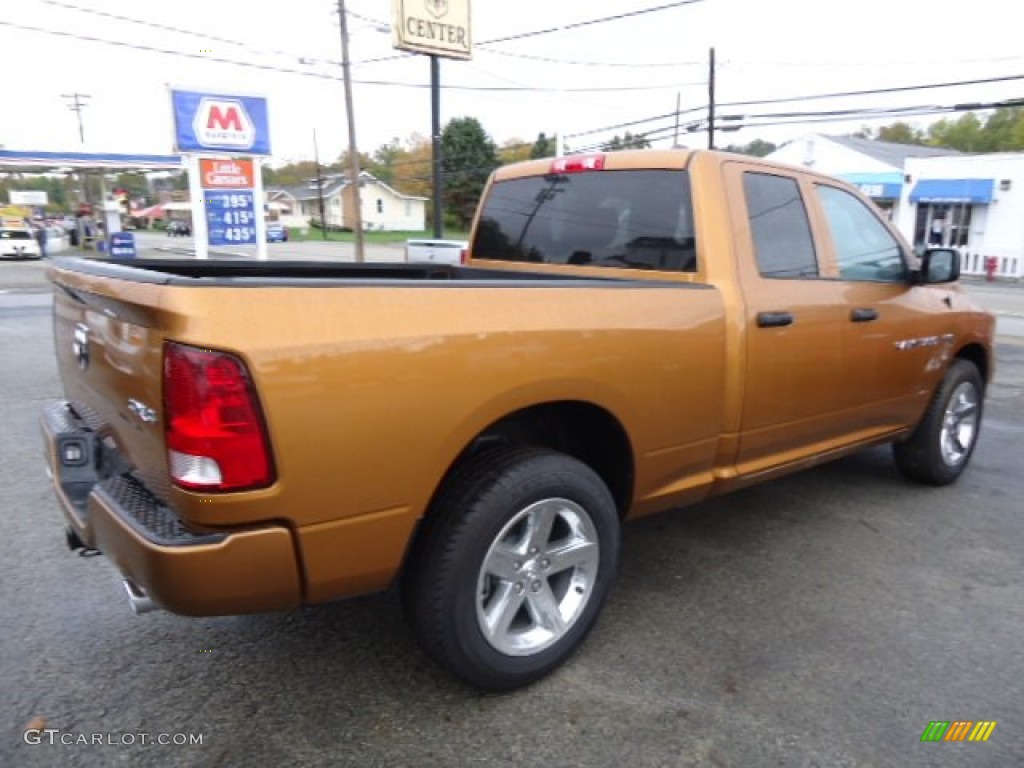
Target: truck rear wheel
column 939, row 449
column 511, row 570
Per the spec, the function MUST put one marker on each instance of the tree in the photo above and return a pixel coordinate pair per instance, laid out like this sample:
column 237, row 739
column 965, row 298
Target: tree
column 627, row 141
column 292, row 174
column 413, row 171
column 514, row 151
column 468, row 157
column 756, row 148
column 1002, row 130
column 900, row 133
column 384, row 159
column 53, row 187
column 134, row 183
column 543, row 147
column 965, row 133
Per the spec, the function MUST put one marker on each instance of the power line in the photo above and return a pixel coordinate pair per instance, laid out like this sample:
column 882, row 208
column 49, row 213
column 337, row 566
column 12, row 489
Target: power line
column 571, row 62
column 163, row 27
column 321, row 75
column 589, row 22
column 809, row 97
column 731, row 123
column 549, row 30
column 379, row 23
column 873, row 91
column 78, row 103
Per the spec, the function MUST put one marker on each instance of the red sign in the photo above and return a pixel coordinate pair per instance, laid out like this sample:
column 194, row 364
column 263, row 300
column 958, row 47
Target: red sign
column 226, row 174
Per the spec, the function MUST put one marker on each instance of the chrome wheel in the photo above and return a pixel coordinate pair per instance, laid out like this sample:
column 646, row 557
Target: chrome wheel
column 959, row 424
column 537, row 577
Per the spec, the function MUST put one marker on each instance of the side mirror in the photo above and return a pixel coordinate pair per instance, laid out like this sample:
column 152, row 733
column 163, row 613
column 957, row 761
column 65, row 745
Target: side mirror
column 938, row 265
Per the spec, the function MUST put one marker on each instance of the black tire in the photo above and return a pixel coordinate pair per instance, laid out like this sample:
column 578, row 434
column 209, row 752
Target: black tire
column 448, row 591
column 936, row 453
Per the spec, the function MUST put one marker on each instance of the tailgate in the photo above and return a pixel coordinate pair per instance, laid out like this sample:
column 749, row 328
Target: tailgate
column 108, row 337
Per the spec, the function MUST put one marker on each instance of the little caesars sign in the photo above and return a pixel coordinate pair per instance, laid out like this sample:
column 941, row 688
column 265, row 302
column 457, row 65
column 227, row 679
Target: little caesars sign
column 436, row 27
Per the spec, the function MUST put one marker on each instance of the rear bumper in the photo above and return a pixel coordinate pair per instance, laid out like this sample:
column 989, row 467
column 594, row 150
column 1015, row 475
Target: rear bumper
column 187, row 571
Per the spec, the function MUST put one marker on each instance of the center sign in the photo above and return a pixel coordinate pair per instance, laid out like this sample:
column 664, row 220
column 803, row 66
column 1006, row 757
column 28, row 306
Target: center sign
column 436, row 27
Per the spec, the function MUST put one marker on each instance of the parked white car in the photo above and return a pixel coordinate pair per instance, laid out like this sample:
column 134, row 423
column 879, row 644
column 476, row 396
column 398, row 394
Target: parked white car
column 18, row 244
column 435, row 251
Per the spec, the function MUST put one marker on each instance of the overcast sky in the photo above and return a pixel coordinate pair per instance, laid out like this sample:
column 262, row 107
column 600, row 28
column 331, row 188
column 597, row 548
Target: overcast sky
column 764, row 50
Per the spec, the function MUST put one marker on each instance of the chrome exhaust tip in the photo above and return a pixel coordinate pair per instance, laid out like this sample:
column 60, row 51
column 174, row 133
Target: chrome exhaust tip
column 138, row 599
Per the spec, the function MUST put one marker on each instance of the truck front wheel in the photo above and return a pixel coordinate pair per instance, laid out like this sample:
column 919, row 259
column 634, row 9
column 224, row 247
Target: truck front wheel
column 938, row 450
column 511, row 570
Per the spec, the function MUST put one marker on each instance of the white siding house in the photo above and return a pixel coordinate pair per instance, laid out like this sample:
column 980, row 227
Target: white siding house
column 383, row 208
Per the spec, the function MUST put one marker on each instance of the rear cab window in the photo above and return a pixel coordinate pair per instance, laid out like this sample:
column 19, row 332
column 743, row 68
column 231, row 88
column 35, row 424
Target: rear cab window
column 637, row 219
column 780, row 227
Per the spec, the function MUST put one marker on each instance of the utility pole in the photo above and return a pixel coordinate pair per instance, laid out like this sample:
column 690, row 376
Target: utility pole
column 319, row 187
column 78, row 103
column 711, row 99
column 675, row 135
column 353, row 153
column 435, row 145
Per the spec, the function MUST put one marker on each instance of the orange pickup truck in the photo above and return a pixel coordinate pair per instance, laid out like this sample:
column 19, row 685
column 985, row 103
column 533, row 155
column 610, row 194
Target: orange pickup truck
column 633, row 331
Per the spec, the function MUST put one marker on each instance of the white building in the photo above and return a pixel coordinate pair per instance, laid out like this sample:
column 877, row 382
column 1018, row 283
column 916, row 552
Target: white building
column 876, row 167
column 935, row 196
column 383, row 208
column 974, row 203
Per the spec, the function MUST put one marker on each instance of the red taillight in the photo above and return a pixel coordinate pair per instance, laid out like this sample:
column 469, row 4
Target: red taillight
column 216, row 440
column 577, row 163
column 464, row 256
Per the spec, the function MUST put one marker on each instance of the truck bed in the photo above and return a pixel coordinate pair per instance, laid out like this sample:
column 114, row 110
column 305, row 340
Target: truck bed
column 264, row 273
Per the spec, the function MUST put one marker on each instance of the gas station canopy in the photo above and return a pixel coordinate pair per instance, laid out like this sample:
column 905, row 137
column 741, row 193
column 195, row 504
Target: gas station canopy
column 88, row 161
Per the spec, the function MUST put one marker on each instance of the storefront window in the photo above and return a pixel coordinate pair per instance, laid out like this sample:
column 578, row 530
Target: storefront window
column 943, row 225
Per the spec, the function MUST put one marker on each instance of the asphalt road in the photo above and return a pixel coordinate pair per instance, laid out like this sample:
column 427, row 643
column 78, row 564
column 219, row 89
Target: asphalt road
column 820, row 620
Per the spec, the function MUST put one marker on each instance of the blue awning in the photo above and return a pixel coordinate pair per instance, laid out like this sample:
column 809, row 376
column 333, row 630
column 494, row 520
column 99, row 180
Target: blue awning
column 952, row 191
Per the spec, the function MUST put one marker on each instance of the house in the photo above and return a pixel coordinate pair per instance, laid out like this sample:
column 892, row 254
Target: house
column 876, row 167
column 383, row 208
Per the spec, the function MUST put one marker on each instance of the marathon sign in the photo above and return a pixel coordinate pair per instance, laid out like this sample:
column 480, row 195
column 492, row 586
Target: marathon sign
column 235, row 173
column 220, row 123
column 435, row 27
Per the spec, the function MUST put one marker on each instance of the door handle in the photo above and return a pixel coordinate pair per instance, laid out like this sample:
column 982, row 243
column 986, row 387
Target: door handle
column 774, row 319
column 863, row 315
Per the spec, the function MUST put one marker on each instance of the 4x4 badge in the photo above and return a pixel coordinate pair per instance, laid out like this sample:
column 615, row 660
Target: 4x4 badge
column 80, row 345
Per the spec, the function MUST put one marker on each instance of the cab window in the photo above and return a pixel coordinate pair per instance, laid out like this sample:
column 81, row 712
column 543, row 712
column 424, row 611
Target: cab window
column 779, row 227
column 866, row 250
column 639, row 219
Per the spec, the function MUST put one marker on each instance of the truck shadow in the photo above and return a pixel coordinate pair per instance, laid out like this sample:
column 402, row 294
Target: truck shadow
column 365, row 646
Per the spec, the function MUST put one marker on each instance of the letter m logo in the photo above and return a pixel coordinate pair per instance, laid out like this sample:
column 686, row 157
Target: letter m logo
column 935, row 731
column 224, row 124
column 225, row 117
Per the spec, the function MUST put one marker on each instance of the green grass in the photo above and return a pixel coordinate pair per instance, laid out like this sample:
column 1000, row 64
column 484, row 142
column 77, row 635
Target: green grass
column 379, row 238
